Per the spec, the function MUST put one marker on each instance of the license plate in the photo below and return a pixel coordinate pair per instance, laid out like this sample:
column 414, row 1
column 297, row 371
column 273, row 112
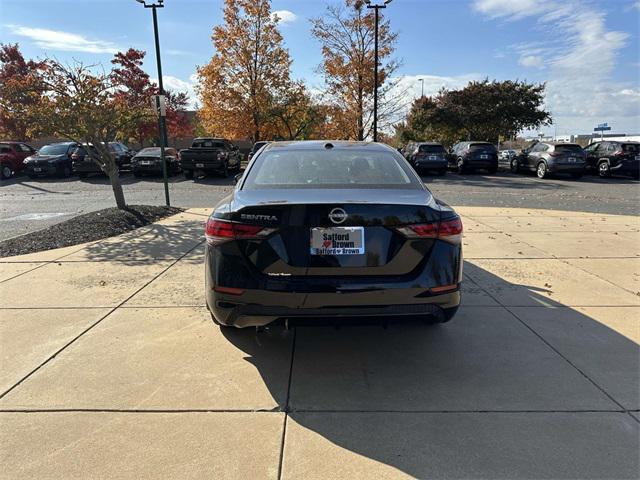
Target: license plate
column 199, row 165
column 572, row 160
column 37, row 169
column 484, row 157
column 337, row 241
column 432, row 157
column 145, row 162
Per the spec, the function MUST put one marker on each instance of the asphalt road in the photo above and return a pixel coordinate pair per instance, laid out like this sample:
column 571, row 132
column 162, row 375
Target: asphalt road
column 29, row 205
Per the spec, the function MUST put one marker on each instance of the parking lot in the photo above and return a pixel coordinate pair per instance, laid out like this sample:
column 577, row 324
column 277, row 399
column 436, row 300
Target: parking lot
column 112, row 368
column 28, row 205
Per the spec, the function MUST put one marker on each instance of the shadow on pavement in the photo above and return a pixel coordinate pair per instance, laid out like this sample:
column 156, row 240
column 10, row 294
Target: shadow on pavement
column 516, row 392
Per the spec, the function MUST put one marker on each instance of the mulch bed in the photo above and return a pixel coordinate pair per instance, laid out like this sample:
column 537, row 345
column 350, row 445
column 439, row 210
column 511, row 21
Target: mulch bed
column 86, row 228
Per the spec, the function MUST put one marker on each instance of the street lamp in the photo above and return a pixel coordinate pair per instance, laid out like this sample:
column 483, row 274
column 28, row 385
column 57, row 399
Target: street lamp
column 376, row 8
column 162, row 126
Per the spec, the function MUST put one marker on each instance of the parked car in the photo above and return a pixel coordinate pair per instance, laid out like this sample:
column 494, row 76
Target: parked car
column 407, row 149
column 12, row 155
column 547, row 158
column 51, row 160
column 332, row 230
column 427, row 156
column 471, row 156
column 83, row 165
column 614, row 158
column 148, row 160
column 210, row 155
column 256, row 146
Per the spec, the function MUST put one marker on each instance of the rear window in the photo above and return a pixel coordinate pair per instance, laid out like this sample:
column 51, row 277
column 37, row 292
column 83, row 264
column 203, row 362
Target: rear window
column 5, row 149
column 483, row 146
column 54, row 149
column 431, row 149
column 631, row 147
column 150, row 151
column 207, row 144
column 568, row 148
column 336, row 168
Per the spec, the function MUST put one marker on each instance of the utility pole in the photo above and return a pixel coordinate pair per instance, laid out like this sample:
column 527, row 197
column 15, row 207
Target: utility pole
column 162, row 125
column 376, row 8
column 421, row 80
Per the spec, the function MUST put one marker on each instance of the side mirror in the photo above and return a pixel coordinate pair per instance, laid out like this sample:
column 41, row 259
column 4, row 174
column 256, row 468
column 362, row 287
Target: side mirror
column 237, row 178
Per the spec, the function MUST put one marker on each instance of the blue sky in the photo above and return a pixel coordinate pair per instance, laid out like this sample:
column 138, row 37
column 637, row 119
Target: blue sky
column 587, row 51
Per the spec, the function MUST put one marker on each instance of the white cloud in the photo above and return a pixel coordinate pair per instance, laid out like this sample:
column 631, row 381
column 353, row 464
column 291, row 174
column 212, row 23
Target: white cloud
column 176, row 84
column 535, row 61
column 285, row 16
column 580, row 54
column 65, row 41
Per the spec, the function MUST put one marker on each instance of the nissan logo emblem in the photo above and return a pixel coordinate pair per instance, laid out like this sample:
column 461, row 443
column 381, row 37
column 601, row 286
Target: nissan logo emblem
column 337, row 215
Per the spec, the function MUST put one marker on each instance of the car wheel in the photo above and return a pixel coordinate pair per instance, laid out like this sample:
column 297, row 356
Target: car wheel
column 460, row 166
column 541, row 170
column 6, row 172
column 603, row 170
column 188, row 174
column 515, row 166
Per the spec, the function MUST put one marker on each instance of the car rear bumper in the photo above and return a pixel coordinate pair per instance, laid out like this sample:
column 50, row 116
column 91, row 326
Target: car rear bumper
column 566, row 167
column 431, row 164
column 86, row 167
column 481, row 164
column 237, row 294
column 203, row 166
column 627, row 167
column 41, row 170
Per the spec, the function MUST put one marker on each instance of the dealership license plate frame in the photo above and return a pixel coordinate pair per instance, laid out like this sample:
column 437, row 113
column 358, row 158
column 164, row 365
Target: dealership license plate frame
column 318, row 246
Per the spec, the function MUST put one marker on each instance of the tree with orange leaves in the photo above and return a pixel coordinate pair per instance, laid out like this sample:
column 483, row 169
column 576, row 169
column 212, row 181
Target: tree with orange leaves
column 21, row 90
column 347, row 35
column 249, row 69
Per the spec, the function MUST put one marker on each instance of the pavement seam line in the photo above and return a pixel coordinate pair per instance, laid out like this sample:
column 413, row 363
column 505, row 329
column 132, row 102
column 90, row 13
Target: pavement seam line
column 593, row 382
column 286, row 404
column 113, row 309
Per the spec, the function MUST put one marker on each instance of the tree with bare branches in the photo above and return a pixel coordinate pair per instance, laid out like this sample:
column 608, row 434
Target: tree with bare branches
column 347, row 35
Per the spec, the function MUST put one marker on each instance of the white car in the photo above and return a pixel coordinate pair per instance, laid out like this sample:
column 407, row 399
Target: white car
column 507, row 154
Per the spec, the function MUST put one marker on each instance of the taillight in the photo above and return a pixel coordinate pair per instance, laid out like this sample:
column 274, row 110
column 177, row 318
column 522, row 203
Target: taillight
column 449, row 230
column 219, row 231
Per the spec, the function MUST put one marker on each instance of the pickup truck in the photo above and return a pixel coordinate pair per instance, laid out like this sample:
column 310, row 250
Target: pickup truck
column 12, row 155
column 210, row 155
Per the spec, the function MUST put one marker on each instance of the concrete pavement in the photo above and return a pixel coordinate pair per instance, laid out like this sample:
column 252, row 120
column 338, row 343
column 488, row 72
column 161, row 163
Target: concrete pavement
column 112, row 368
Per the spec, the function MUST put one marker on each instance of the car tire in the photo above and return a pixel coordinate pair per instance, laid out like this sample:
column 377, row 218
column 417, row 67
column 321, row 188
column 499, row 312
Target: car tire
column 515, row 166
column 541, row 170
column 6, row 172
column 188, row 174
column 460, row 166
column 603, row 170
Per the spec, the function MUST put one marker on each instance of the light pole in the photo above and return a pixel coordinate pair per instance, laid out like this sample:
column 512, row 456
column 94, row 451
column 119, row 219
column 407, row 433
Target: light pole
column 421, row 80
column 376, row 8
column 162, row 126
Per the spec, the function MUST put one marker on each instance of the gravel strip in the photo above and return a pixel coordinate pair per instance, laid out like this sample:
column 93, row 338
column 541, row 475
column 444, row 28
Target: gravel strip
column 86, row 228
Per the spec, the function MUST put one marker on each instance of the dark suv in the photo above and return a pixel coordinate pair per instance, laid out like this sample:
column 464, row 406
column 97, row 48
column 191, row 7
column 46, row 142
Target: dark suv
column 256, row 146
column 83, row 164
column 52, row 159
column 427, row 156
column 613, row 157
column 470, row 156
column 546, row 158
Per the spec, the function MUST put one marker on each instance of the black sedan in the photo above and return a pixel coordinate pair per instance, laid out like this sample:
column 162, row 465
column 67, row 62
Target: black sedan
column 148, row 160
column 51, row 160
column 319, row 229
